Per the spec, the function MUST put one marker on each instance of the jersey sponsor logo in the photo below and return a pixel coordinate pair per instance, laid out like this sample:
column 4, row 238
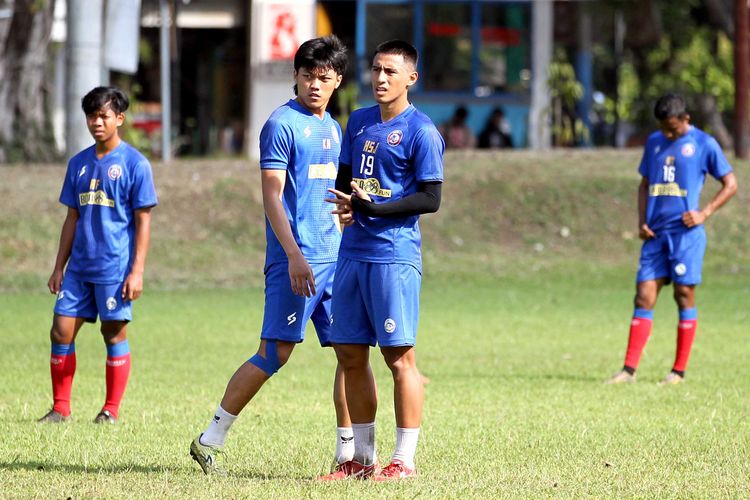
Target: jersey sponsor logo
column 370, row 146
column 114, row 172
column 95, row 198
column 680, row 269
column 389, row 325
column 372, row 186
column 668, row 189
column 335, row 134
column 394, row 138
column 307, row 131
column 688, row 150
column 291, row 319
column 111, row 303
column 82, row 171
column 321, row 171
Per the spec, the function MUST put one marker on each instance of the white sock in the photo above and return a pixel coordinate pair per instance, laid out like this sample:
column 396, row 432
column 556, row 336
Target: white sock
column 344, row 444
column 364, row 443
column 217, row 430
column 406, row 445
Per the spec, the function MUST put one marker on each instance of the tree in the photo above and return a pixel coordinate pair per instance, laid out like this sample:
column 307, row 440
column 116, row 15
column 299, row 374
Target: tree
column 25, row 129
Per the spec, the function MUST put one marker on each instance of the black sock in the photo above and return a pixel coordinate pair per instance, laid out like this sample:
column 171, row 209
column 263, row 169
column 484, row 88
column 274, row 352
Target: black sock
column 681, row 373
column 629, row 369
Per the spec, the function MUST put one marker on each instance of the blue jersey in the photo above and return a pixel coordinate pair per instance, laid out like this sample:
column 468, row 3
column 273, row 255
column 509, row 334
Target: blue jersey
column 388, row 161
column 307, row 147
column 676, row 171
column 106, row 192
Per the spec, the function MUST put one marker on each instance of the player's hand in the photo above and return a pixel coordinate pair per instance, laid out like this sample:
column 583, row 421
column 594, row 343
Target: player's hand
column 693, row 218
column 359, row 192
column 133, row 286
column 55, row 281
column 342, row 201
column 346, row 219
column 645, row 232
column 301, row 276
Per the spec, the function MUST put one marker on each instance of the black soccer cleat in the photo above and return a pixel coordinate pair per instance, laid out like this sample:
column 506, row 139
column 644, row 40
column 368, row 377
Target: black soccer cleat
column 105, row 417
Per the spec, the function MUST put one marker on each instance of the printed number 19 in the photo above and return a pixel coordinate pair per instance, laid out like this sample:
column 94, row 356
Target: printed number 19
column 668, row 173
column 366, row 165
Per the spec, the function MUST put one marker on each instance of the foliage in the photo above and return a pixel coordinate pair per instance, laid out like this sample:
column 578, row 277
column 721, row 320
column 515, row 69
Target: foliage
column 566, row 91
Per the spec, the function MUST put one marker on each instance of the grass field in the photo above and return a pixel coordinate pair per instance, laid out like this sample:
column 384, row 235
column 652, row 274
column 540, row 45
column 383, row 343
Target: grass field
column 519, row 327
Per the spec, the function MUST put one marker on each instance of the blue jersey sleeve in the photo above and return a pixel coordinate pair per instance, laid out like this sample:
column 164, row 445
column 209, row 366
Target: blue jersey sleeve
column 143, row 192
column 645, row 159
column 428, row 155
column 276, row 143
column 345, row 156
column 716, row 163
column 68, row 193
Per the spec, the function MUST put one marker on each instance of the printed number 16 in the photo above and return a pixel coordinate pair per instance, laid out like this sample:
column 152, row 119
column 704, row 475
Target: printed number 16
column 365, row 167
column 668, row 173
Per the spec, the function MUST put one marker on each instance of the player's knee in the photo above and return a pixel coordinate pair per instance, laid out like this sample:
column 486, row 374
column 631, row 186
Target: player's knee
column 56, row 336
column 276, row 356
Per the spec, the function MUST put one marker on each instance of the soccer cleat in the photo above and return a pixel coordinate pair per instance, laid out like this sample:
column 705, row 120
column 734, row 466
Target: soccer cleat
column 672, row 378
column 105, row 417
column 395, row 470
column 53, row 417
column 350, row 470
column 206, row 456
column 621, row 377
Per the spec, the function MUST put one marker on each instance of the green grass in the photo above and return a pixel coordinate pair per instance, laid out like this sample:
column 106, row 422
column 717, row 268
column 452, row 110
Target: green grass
column 515, row 407
column 519, row 326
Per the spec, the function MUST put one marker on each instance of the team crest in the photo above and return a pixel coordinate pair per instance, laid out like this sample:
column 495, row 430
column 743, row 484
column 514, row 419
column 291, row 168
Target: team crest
column 111, row 304
column 114, row 172
column 390, row 326
column 688, row 150
column 394, row 138
column 680, row 269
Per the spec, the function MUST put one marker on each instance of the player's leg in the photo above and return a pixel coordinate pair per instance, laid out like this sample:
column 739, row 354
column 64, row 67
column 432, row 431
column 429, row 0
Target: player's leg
column 352, row 336
column 284, row 320
column 75, row 304
column 652, row 275
column 115, row 314
column 686, row 264
column 395, row 309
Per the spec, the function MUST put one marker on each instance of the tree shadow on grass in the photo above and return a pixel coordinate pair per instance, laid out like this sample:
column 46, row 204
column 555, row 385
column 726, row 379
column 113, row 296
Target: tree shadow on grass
column 95, row 469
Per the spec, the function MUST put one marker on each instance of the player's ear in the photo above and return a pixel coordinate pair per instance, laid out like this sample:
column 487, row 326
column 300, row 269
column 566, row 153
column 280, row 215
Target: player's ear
column 338, row 80
column 413, row 77
column 120, row 119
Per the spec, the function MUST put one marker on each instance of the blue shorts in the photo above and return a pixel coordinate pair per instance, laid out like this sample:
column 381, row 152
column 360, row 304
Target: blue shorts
column 677, row 257
column 285, row 315
column 375, row 303
column 82, row 299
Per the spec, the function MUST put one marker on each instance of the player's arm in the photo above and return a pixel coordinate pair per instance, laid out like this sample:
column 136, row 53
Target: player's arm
column 728, row 189
column 67, row 233
column 300, row 272
column 644, row 232
column 425, row 201
column 133, row 285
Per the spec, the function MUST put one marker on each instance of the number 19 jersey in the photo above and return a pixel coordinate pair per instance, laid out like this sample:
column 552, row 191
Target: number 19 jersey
column 388, row 161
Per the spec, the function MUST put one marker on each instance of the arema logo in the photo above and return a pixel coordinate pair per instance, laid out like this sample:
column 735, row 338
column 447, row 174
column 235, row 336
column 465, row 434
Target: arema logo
column 111, row 304
column 394, row 138
column 680, row 269
column 114, row 172
column 390, row 326
column 292, row 318
column 688, row 150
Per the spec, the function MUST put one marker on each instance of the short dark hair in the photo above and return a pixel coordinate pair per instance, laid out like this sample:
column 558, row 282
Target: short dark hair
column 670, row 105
column 325, row 52
column 399, row 48
column 99, row 97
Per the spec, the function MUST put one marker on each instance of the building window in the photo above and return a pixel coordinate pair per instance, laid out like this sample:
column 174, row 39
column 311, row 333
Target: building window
column 447, row 40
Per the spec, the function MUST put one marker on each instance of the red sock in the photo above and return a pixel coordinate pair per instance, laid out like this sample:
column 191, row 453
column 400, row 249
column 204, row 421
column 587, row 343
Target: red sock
column 118, row 371
column 62, row 367
column 640, row 330
column 686, row 329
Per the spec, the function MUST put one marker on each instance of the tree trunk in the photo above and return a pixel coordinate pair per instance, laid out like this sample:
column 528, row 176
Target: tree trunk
column 25, row 128
column 709, row 111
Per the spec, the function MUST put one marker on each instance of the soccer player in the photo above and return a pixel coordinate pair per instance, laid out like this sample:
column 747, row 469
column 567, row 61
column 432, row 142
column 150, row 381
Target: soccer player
column 109, row 192
column 390, row 172
column 673, row 169
column 299, row 149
